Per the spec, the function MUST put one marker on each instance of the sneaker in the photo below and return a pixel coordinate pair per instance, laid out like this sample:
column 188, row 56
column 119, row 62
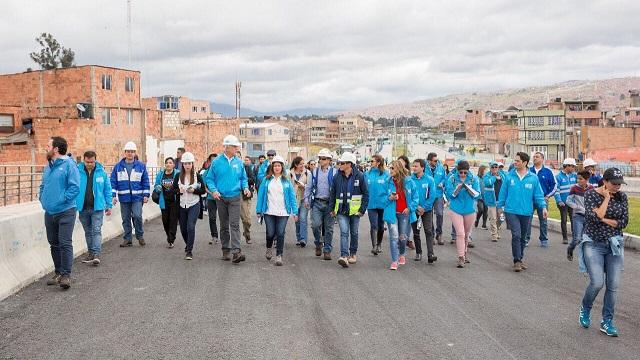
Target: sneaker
column 460, row 262
column 402, row 260
column 374, row 252
column 343, row 262
column 327, row 256
column 55, row 280
column 126, row 244
column 95, row 261
column 411, row 245
column 279, row 260
column 544, row 244
column 238, row 257
column 484, row 227
column 268, row 254
column 65, row 282
column 466, row 259
column 565, row 241
column 188, row 256
column 213, row 240
column 170, row 246
column 141, row 242
column 298, row 243
column 494, row 240
column 318, row 250
column 569, row 254
column 439, row 239
column 517, row 267
column 89, row 258
column 470, row 245
column 607, row 327
column 352, row 259
column 418, row 257
column 303, row 244
column 431, row 259
column 585, row 318
column 378, row 249
column 394, row 266
column 453, row 241
column 226, row 255
column 524, row 265
column 248, row 240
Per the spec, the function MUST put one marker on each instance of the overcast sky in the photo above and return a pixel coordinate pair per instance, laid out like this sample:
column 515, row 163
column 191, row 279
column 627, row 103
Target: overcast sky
column 334, row 54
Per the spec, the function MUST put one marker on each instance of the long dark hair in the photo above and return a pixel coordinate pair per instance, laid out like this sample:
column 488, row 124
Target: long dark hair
column 270, row 174
column 481, row 171
column 296, row 161
column 191, row 173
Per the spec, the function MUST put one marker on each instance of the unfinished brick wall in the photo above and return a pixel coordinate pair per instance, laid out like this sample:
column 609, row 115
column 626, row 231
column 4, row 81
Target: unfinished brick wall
column 598, row 138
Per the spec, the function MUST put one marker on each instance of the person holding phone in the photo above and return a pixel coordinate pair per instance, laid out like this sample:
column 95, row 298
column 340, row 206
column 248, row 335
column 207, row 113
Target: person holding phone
column 188, row 186
column 377, row 183
column 300, row 177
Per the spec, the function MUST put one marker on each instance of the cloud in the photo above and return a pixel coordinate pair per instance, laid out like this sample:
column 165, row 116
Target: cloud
column 334, row 54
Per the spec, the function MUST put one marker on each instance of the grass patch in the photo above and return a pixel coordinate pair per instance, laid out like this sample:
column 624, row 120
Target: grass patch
column 634, row 214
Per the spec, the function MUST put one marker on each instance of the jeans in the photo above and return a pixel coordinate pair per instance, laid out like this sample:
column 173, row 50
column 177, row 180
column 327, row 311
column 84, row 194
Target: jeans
column 438, row 209
column 275, row 227
column 188, row 218
column 427, row 227
column 212, row 209
column 398, row 234
column 565, row 214
column 375, row 219
column 463, row 225
column 229, row 212
column 92, row 224
column 301, row 224
column 348, row 226
column 59, row 234
column 519, row 225
column 321, row 215
column 543, row 229
column 577, row 226
column 170, row 215
column 603, row 268
column 132, row 211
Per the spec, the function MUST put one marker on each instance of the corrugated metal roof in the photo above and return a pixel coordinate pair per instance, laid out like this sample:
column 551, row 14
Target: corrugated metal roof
column 18, row 137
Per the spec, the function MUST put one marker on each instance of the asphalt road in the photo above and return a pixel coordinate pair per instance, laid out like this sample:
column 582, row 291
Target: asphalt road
column 150, row 303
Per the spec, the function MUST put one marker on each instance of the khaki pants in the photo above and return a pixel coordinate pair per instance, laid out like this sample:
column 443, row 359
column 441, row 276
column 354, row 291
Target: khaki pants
column 245, row 215
column 494, row 214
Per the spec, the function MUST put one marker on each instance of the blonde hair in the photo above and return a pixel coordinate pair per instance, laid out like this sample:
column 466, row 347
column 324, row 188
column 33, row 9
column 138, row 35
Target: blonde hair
column 401, row 173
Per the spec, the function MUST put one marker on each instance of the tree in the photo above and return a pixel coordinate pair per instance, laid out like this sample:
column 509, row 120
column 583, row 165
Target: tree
column 52, row 53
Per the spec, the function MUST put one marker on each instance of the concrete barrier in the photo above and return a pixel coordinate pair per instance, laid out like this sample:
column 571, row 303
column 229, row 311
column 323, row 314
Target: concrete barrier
column 630, row 241
column 24, row 250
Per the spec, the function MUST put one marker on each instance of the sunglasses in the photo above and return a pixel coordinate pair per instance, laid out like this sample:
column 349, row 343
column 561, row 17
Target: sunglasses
column 341, row 163
column 270, row 155
column 463, row 172
column 494, row 167
column 323, row 158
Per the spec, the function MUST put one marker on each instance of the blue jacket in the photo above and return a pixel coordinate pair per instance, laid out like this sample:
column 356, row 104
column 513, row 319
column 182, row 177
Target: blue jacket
column 411, row 194
column 547, row 180
column 130, row 188
column 158, row 182
column 426, row 188
column 462, row 203
column 377, row 183
column 439, row 176
column 262, row 171
column 60, row 186
column 565, row 182
column 344, row 188
column 595, row 179
column 102, row 196
column 227, row 176
column 488, row 183
column 518, row 196
column 290, row 201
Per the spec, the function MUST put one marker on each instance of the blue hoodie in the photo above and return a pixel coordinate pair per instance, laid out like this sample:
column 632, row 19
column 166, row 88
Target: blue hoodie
column 439, row 176
column 102, row 197
column 518, row 196
column 547, row 180
column 60, row 186
column 462, row 203
column 227, row 177
column 377, row 183
column 262, row 171
column 426, row 188
column 565, row 182
column 290, row 201
column 410, row 193
column 158, row 181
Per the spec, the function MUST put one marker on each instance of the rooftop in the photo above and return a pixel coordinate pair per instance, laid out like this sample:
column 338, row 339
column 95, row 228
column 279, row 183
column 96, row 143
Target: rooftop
column 70, row 68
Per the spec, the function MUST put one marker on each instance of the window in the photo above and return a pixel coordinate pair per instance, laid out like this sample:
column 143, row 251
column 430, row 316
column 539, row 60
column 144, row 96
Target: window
column 128, row 84
column 194, row 109
column 129, row 118
column 270, row 132
column 536, row 135
column 257, row 147
column 241, row 131
column 286, row 131
column 255, row 132
column 106, row 82
column 6, row 123
column 535, row 121
column 168, row 103
column 204, row 109
column 555, row 135
column 106, row 116
column 555, row 120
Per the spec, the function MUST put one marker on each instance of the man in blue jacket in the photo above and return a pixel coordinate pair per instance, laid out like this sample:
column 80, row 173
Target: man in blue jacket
column 130, row 182
column 548, row 185
column 262, row 170
column 492, row 182
column 58, row 192
column 565, row 180
column 93, row 201
column 426, row 188
column 436, row 171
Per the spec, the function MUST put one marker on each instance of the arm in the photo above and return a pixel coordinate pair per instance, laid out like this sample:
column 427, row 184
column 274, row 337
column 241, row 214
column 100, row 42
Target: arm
column 624, row 220
column 260, row 208
column 364, row 188
column 538, row 196
column 201, row 189
column 432, row 194
column 107, row 192
column 415, row 197
column 210, row 179
column 244, row 183
column 292, row 200
column 552, row 185
column 571, row 201
column 308, row 190
column 73, row 183
column 476, row 186
column 504, row 193
column 332, row 194
column 145, row 183
column 557, row 193
column 114, row 184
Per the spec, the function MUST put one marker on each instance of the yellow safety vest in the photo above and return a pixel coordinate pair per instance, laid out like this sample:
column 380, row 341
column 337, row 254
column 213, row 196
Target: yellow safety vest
column 354, row 202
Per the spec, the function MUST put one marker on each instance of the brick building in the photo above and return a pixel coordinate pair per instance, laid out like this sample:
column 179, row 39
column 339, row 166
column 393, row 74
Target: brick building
column 258, row 138
column 502, row 131
column 451, row 126
column 475, row 122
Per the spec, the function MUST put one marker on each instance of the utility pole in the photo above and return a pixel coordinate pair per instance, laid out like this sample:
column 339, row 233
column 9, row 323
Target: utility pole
column 129, row 45
column 238, row 87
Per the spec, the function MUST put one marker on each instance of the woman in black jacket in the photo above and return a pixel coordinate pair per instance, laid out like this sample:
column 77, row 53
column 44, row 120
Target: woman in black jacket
column 188, row 186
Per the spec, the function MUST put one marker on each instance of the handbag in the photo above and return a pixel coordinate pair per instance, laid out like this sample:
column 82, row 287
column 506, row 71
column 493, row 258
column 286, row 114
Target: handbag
column 155, row 197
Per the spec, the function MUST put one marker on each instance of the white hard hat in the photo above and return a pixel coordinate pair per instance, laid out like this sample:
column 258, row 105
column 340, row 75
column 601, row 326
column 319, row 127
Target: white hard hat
column 347, row 157
column 231, row 140
column 569, row 161
column 589, row 162
column 279, row 159
column 130, row 146
column 325, row 153
column 187, row 158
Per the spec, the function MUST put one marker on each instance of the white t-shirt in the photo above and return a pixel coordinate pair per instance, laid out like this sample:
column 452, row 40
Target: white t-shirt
column 275, row 198
column 188, row 199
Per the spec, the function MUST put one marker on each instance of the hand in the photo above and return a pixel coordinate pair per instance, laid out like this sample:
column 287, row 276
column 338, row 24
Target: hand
column 405, row 211
column 115, row 200
column 333, row 214
column 358, row 214
column 606, row 193
column 546, row 198
column 190, row 190
column 216, row 196
column 393, row 197
column 145, row 200
column 247, row 193
column 545, row 213
column 108, row 212
column 561, row 204
column 498, row 177
column 306, row 205
column 295, row 218
column 420, row 210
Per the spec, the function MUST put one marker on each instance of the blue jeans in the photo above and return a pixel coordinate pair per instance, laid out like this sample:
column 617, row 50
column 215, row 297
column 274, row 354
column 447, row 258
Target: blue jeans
column 577, row 226
column 320, row 213
column 603, row 268
column 59, row 234
column 188, row 218
column 375, row 219
column 348, row 225
column 275, row 227
column 438, row 210
column 398, row 235
column 544, row 240
column 92, row 224
column 301, row 224
column 519, row 225
column 132, row 211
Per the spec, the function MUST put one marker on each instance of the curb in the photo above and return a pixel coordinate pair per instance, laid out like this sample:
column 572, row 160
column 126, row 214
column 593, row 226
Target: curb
column 630, row 241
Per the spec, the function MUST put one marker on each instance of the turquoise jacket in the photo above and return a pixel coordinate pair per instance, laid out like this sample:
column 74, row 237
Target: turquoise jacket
column 262, row 171
column 227, row 176
column 462, row 203
column 410, row 192
column 518, row 196
column 426, row 188
column 102, row 197
column 377, row 184
column 488, row 184
column 60, row 185
column 290, row 201
column 564, row 182
column 439, row 177
column 158, row 182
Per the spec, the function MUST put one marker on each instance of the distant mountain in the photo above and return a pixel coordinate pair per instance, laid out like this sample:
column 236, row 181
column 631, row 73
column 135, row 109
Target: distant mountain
column 230, row 111
column 612, row 94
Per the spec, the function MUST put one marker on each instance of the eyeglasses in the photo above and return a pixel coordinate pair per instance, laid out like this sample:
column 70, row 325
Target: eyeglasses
column 341, row 163
column 323, row 158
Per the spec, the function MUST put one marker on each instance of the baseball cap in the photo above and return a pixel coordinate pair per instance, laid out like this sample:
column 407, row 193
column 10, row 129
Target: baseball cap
column 271, row 153
column 614, row 176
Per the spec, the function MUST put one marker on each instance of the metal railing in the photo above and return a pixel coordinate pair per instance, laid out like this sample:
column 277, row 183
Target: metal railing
column 21, row 183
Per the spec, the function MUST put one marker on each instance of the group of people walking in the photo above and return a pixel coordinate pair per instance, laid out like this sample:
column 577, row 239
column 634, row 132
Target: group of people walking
column 402, row 198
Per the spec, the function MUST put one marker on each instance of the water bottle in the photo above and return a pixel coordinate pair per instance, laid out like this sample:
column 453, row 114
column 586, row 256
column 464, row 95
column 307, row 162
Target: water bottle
column 502, row 217
column 419, row 226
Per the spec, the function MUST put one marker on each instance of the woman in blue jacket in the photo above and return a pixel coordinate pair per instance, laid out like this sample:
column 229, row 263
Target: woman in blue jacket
column 463, row 189
column 400, row 211
column 377, row 182
column 276, row 202
column 169, row 207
